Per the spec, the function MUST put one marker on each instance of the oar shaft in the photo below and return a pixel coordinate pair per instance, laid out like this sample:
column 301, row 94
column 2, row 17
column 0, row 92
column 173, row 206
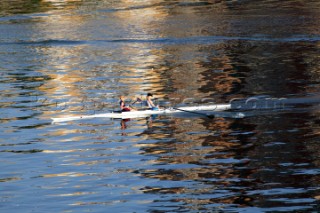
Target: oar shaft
column 197, row 113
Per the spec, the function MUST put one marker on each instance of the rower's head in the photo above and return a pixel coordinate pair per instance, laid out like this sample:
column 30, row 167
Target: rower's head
column 121, row 97
column 149, row 95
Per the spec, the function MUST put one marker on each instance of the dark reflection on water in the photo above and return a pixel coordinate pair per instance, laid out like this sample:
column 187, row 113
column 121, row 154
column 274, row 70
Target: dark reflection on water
column 256, row 162
column 60, row 58
column 249, row 68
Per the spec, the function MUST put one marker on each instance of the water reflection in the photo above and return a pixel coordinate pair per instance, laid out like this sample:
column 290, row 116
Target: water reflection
column 20, row 7
column 230, row 164
column 74, row 57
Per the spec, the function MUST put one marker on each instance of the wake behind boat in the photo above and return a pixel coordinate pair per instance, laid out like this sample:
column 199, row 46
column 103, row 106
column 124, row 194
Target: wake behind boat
column 204, row 110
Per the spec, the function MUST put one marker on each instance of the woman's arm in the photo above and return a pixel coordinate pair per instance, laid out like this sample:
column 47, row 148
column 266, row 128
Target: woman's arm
column 151, row 102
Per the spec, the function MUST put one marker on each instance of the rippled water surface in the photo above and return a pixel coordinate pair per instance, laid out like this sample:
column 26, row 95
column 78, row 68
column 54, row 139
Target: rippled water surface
column 60, row 58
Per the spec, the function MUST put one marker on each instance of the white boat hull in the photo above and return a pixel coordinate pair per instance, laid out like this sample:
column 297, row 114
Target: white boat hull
column 204, row 109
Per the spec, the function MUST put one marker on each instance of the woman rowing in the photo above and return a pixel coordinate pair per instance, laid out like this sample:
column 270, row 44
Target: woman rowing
column 150, row 103
column 123, row 106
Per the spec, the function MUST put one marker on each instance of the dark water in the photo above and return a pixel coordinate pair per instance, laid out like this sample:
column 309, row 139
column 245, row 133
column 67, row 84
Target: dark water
column 59, row 58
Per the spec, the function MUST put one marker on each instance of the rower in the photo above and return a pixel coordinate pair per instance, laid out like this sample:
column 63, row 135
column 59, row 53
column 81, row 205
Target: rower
column 150, row 103
column 123, row 106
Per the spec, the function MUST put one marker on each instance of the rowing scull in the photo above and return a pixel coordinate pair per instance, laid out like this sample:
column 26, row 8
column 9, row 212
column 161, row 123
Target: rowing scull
column 144, row 113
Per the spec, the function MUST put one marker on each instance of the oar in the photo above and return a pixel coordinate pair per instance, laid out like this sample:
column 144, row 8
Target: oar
column 198, row 113
column 138, row 99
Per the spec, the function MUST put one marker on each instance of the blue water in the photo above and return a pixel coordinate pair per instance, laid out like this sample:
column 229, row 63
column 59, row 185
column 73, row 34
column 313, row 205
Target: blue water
column 64, row 58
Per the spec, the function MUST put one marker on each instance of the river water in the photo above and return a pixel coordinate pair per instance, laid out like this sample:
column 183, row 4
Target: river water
column 60, row 58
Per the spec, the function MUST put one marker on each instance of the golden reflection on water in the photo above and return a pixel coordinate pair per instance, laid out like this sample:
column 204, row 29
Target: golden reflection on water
column 138, row 75
column 63, row 59
column 144, row 58
column 64, row 131
column 73, row 194
column 64, row 174
column 63, row 80
column 141, row 13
